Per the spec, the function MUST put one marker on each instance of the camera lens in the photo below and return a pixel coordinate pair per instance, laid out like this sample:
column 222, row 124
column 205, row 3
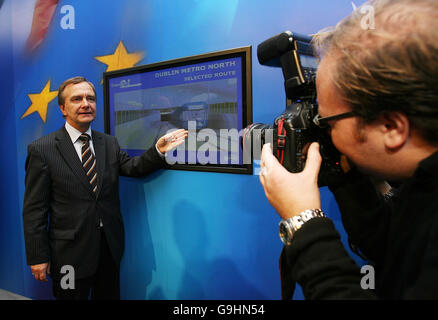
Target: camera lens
column 254, row 137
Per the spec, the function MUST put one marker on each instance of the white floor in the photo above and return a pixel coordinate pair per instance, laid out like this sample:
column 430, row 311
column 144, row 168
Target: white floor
column 6, row 295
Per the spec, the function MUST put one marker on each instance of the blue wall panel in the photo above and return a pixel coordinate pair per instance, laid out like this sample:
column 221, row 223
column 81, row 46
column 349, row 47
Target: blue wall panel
column 11, row 266
column 190, row 243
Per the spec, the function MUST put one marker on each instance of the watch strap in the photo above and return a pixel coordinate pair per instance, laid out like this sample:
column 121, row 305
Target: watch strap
column 290, row 226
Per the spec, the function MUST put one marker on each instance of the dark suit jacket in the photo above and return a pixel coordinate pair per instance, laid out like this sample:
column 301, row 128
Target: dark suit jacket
column 61, row 213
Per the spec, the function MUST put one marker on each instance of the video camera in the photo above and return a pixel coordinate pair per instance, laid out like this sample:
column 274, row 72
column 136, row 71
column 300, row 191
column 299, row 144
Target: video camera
column 294, row 130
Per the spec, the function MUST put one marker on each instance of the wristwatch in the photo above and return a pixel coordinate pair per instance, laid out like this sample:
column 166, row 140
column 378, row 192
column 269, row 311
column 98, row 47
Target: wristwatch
column 290, row 226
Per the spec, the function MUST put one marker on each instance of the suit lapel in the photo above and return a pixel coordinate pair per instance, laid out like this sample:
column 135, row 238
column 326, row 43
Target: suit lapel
column 99, row 149
column 68, row 152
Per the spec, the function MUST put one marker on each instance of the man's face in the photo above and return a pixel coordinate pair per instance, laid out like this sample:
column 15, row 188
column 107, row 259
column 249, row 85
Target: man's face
column 360, row 143
column 79, row 106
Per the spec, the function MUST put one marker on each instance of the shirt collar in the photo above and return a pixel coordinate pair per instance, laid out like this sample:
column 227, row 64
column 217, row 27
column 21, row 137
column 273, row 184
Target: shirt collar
column 75, row 133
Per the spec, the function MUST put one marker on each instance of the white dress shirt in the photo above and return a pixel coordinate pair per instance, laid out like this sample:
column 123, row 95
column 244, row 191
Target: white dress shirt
column 77, row 143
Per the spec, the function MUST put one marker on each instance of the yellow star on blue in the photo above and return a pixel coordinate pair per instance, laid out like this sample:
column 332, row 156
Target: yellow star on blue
column 40, row 102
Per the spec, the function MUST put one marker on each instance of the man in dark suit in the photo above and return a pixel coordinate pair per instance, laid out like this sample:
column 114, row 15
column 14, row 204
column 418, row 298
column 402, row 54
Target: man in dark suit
column 71, row 212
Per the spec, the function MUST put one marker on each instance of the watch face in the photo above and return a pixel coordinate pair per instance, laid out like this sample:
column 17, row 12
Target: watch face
column 284, row 233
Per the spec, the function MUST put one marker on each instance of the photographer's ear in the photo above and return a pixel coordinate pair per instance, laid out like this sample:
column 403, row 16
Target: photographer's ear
column 395, row 128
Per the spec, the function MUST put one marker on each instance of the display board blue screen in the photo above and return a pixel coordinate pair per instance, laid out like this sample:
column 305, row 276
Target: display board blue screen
column 208, row 96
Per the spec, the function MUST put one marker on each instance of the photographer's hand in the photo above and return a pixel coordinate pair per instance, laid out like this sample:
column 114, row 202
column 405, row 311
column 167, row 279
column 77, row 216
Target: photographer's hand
column 291, row 193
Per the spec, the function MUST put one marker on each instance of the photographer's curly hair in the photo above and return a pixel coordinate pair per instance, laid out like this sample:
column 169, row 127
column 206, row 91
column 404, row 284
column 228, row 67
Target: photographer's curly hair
column 393, row 67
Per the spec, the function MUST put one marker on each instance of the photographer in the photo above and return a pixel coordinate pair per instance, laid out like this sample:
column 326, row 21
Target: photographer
column 386, row 79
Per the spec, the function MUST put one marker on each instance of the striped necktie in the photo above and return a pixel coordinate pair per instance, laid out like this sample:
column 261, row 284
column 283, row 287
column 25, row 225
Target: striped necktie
column 89, row 161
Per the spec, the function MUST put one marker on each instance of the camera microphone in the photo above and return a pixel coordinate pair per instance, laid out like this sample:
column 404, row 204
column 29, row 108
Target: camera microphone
column 270, row 51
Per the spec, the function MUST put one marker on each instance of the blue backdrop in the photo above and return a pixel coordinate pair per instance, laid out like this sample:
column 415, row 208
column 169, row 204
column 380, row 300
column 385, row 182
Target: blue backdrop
column 189, row 235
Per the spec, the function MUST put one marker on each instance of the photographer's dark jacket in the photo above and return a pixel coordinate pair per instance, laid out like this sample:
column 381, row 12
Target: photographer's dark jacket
column 399, row 237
